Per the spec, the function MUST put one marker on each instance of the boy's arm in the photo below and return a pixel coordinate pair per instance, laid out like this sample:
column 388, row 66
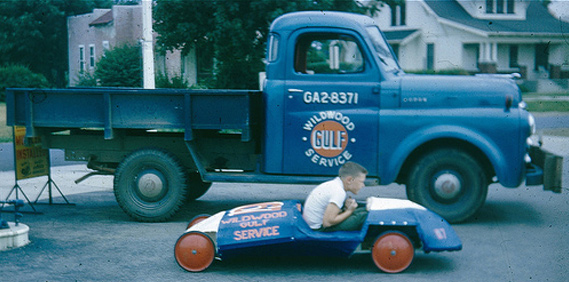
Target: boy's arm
column 334, row 215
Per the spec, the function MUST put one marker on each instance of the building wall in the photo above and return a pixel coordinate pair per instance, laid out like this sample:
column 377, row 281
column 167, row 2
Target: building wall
column 174, row 64
column 125, row 28
column 127, row 24
column 80, row 34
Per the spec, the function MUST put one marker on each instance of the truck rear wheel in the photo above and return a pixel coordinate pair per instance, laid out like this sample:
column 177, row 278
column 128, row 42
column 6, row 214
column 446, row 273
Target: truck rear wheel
column 449, row 182
column 150, row 185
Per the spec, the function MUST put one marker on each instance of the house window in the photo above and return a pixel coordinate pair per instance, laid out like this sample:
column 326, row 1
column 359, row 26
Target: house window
column 395, row 48
column 91, row 56
column 541, row 56
column 106, row 45
column 490, row 6
column 430, row 56
column 510, row 6
column 81, row 58
column 398, row 14
column 500, row 6
column 514, row 56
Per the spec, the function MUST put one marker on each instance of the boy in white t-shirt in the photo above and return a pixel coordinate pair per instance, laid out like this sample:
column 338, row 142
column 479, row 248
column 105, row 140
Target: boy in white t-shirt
column 328, row 207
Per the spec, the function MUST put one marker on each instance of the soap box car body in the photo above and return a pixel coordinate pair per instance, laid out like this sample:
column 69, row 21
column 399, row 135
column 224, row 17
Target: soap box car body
column 392, row 231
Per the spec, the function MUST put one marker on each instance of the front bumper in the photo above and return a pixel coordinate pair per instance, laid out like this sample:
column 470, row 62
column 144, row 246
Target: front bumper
column 546, row 168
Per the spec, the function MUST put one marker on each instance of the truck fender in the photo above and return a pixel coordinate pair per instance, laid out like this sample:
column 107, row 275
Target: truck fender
column 425, row 135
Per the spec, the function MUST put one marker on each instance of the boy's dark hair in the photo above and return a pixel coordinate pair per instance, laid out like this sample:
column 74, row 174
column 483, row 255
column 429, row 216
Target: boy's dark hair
column 351, row 169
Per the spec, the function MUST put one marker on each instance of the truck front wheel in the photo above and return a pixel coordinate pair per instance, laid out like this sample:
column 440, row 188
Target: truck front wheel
column 150, row 185
column 449, row 182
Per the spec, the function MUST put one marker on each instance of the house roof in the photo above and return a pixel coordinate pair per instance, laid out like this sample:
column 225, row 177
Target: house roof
column 398, row 34
column 538, row 20
column 104, row 19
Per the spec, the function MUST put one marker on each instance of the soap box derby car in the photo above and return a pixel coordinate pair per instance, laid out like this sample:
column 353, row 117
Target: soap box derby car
column 392, row 231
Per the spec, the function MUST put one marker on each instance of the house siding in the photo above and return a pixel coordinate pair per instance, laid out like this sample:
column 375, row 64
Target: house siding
column 466, row 37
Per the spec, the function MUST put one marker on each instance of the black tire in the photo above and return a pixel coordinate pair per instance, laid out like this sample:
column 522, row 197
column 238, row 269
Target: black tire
column 450, row 182
column 196, row 187
column 150, row 185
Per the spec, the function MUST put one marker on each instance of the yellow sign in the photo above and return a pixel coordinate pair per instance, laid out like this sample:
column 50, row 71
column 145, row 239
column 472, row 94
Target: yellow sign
column 31, row 159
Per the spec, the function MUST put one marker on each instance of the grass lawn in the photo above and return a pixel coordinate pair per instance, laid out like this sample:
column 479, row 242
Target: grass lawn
column 548, row 106
column 535, row 94
column 561, row 105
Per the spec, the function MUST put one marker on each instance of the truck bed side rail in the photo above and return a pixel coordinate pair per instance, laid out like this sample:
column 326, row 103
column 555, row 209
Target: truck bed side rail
column 114, row 108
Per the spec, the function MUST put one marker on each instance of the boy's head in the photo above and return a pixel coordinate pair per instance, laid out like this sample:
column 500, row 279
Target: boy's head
column 353, row 176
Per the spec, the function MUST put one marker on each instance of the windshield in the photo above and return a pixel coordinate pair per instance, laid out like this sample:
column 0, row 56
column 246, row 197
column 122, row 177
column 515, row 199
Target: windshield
column 382, row 49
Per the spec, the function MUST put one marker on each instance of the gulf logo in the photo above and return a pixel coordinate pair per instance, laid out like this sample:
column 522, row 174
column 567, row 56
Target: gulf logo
column 329, row 138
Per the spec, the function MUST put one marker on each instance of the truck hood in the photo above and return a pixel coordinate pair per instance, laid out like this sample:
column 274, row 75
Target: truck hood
column 436, row 91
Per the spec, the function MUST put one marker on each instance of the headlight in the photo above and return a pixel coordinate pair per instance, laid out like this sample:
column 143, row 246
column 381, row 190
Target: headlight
column 532, row 127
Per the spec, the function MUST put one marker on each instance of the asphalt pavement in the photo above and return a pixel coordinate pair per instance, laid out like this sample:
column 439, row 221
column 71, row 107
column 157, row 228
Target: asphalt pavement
column 520, row 235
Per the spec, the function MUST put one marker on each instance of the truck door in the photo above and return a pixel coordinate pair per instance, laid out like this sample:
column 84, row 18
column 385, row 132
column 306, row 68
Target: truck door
column 331, row 103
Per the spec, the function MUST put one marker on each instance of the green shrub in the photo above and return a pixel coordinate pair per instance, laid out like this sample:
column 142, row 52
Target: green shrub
column 86, row 79
column 120, row 67
column 162, row 81
column 17, row 76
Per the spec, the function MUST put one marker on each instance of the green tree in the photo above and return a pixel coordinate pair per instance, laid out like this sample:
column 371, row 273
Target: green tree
column 20, row 77
column 234, row 31
column 34, row 33
column 120, row 67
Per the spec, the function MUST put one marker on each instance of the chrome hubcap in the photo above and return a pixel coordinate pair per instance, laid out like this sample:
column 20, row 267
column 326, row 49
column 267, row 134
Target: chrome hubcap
column 447, row 186
column 150, row 186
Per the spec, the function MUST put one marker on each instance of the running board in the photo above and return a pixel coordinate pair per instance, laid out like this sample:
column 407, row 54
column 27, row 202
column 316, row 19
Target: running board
column 259, row 177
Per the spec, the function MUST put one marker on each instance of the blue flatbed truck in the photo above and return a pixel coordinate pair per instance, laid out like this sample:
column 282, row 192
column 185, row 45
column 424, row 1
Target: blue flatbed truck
column 334, row 92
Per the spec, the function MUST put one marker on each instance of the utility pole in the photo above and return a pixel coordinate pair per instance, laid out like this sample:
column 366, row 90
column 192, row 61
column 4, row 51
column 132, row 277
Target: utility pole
column 147, row 45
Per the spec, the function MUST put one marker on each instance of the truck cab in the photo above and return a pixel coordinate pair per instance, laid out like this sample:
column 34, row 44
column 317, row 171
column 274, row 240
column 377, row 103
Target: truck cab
column 322, row 93
column 335, row 92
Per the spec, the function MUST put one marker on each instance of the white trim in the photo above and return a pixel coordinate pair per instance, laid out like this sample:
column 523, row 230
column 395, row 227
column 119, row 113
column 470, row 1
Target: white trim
column 463, row 27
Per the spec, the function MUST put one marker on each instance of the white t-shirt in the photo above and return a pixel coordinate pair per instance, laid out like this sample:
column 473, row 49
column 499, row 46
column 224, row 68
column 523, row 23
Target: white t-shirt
column 328, row 192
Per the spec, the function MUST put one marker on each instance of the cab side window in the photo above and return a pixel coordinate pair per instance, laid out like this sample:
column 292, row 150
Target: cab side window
column 327, row 53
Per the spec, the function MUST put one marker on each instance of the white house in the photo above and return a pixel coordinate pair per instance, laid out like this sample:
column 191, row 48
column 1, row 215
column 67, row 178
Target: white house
column 479, row 36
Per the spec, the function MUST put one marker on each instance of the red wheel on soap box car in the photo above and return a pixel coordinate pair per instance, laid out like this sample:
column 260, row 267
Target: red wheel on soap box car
column 197, row 219
column 393, row 252
column 194, row 251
